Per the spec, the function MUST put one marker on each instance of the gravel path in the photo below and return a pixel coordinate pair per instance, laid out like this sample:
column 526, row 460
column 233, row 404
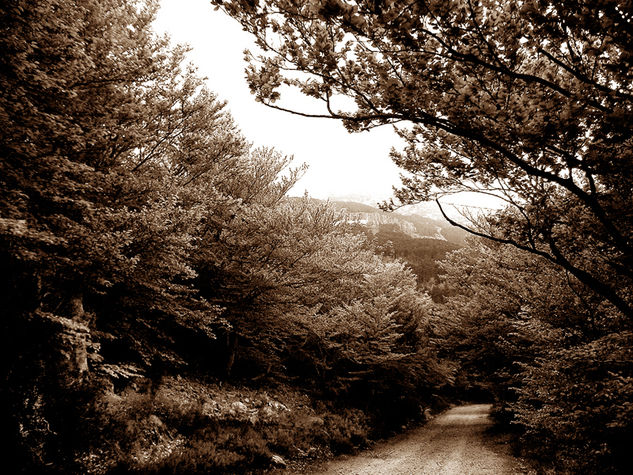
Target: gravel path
column 453, row 443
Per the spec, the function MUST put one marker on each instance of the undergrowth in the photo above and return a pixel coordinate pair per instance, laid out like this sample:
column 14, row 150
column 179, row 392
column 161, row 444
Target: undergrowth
column 186, row 427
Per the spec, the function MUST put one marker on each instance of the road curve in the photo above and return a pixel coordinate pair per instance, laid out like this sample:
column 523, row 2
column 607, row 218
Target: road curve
column 453, row 443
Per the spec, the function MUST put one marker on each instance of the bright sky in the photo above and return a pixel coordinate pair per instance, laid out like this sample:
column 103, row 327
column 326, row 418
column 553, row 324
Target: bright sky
column 341, row 164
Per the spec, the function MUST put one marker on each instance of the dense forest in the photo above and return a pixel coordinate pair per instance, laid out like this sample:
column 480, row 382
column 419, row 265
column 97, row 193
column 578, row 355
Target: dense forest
column 167, row 308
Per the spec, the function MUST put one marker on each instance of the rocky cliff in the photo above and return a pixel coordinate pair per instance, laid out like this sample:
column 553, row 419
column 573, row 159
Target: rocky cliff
column 378, row 221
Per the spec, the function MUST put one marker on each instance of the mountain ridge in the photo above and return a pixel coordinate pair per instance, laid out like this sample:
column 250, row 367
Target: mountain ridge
column 414, row 225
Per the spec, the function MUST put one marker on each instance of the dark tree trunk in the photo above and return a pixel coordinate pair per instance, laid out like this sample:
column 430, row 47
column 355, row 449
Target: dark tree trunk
column 77, row 313
column 232, row 341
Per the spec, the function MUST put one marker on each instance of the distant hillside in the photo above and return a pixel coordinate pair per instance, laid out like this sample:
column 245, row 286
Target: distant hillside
column 355, row 207
column 422, row 255
column 413, row 225
column 428, row 209
column 374, row 219
column 426, row 226
column 421, row 241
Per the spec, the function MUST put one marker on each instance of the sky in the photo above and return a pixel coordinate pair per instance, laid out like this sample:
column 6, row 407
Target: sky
column 340, row 164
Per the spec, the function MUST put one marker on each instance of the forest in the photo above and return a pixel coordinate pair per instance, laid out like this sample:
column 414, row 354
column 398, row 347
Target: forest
column 168, row 308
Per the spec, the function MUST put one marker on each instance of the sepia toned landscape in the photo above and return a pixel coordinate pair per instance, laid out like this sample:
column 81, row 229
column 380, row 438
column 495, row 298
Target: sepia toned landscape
column 178, row 297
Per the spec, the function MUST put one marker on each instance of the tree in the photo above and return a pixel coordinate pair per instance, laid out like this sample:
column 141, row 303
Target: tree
column 74, row 83
column 111, row 149
column 105, row 133
column 137, row 227
column 375, row 346
column 528, row 101
column 498, row 300
column 549, row 351
column 270, row 260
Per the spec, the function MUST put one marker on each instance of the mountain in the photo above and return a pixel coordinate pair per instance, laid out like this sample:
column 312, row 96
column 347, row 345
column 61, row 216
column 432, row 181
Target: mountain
column 420, row 240
column 418, row 226
column 374, row 219
column 366, row 199
column 426, row 209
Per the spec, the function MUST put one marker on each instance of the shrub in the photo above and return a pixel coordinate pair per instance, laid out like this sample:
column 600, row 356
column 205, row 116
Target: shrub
column 187, row 426
column 574, row 406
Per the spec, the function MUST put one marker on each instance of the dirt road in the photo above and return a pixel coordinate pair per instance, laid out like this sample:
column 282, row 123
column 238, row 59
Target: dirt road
column 453, row 443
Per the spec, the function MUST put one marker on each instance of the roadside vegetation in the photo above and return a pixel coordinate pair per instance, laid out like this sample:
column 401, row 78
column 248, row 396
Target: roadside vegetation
column 167, row 309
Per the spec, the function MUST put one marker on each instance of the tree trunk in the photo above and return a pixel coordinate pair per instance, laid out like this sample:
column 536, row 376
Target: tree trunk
column 77, row 313
column 232, row 344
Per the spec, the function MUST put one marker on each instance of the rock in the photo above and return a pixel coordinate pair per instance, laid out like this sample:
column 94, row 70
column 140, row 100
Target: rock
column 267, row 412
column 239, row 407
column 315, row 421
column 279, row 406
column 210, row 408
column 278, row 460
column 155, row 421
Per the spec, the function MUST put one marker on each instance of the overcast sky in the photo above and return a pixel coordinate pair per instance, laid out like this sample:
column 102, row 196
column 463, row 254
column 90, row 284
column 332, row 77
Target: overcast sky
column 341, row 164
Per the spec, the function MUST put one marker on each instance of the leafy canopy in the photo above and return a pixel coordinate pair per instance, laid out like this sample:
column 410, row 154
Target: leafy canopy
column 530, row 101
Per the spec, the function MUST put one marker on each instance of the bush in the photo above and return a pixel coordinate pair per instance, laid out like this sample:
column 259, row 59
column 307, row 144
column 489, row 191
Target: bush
column 574, row 406
column 188, row 426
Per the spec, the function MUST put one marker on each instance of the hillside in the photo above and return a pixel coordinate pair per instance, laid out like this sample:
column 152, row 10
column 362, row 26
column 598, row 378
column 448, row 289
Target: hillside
column 421, row 241
column 419, row 226
column 421, row 254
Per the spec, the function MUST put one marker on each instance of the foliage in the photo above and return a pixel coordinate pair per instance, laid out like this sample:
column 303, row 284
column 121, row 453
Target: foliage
column 422, row 254
column 375, row 347
column 88, row 91
column 141, row 237
column 74, row 80
column 527, row 101
column 271, row 260
column 189, row 426
column 582, row 417
column 551, row 353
